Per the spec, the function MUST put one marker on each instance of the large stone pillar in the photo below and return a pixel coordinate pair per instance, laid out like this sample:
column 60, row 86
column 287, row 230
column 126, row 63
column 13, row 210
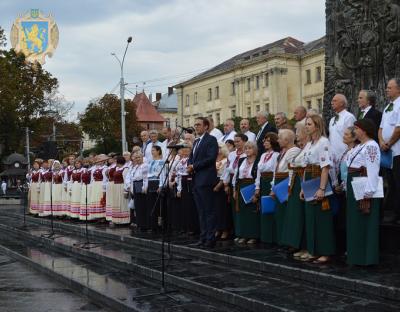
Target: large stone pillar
column 362, row 48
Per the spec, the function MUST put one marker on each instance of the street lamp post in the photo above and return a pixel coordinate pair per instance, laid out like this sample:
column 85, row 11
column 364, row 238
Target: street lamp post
column 122, row 96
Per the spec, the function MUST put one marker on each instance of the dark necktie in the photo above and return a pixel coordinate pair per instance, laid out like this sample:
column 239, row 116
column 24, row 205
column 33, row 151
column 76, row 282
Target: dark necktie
column 389, row 108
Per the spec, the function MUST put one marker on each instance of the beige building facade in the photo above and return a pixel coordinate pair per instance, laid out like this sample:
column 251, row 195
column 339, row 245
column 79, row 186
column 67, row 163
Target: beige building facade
column 276, row 77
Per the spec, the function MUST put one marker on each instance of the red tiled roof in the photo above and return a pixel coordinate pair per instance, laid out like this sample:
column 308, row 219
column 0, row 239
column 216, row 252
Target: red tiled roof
column 145, row 111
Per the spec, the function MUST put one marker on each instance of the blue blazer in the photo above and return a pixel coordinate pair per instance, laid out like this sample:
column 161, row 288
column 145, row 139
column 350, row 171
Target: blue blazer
column 203, row 161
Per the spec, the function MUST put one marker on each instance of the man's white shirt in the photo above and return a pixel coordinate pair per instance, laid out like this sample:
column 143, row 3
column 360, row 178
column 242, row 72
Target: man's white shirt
column 336, row 132
column 391, row 120
column 229, row 136
column 216, row 133
column 250, row 136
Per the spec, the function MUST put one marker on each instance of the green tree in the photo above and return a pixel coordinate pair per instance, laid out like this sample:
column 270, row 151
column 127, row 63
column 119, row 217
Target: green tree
column 102, row 122
column 24, row 92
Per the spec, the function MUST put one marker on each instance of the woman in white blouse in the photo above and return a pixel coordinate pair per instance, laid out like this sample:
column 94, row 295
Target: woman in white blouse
column 247, row 227
column 189, row 220
column 320, row 237
column 154, row 186
column 293, row 232
column 265, row 171
column 139, row 180
column 363, row 215
column 339, row 181
column 222, row 205
column 288, row 152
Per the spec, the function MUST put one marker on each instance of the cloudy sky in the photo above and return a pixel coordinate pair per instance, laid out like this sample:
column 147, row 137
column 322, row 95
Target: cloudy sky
column 172, row 39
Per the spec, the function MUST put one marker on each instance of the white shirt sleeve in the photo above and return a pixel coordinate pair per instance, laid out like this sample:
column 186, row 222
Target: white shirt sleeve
column 372, row 159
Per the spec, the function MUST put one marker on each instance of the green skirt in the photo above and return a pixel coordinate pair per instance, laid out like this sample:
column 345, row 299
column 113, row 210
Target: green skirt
column 248, row 218
column 320, row 235
column 362, row 229
column 267, row 221
column 293, row 232
column 279, row 216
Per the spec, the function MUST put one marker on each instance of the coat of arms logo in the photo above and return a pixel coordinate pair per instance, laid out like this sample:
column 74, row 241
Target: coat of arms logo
column 35, row 35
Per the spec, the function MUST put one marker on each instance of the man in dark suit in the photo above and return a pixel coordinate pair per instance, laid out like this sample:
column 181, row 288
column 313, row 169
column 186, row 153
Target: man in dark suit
column 366, row 103
column 201, row 164
column 265, row 127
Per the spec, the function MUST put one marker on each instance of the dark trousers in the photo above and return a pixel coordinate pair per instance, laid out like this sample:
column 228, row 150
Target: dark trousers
column 204, row 200
column 395, row 185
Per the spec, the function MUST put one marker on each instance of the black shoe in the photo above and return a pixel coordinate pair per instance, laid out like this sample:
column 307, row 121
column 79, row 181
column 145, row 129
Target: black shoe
column 198, row 244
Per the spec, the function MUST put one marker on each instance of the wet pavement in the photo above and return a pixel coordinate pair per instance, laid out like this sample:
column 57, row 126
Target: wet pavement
column 234, row 281
column 25, row 290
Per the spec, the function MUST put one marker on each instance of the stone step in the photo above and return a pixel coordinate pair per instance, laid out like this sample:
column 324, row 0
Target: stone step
column 256, row 292
column 383, row 281
column 104, row 285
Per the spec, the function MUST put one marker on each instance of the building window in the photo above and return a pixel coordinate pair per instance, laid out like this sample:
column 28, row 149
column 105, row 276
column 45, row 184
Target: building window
column 308, row 76
column 233, row 91
column 266, row 77
column 267, row 107
column 217, row 118
column 249, row 112
column 217, row 92
column 167, row 122
column 309, row 106
column 233, row 113
column 209, row 97
column 187, row 122
column 195, row 98
column 257, row 82
column 257, row 108
column 187, row 99
column 318, row 74
column 248, row 84
column 319, row 102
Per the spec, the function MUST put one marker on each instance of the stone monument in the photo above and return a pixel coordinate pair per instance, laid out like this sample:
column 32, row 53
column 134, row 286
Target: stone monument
column 362, row 48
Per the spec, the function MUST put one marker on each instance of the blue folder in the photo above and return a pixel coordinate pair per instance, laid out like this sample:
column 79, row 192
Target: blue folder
column 281, row 190
column 268, row 205
column 310, row 187
column 247, row 193
column 387, row 159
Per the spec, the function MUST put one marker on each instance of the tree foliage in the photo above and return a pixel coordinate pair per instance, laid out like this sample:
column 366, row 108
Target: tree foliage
column 28, row 98
column 102, row 122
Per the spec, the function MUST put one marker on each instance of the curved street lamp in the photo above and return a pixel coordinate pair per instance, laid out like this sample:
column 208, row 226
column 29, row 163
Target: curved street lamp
column 122, row 96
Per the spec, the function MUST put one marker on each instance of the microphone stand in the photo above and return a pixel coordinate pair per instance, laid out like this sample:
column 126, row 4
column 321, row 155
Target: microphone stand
column 51, row 235
column 24, row 190
column 161, row 223
column 87, row 244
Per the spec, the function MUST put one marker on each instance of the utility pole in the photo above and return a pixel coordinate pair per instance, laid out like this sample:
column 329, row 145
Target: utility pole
column 27, row 148
column 122, row 96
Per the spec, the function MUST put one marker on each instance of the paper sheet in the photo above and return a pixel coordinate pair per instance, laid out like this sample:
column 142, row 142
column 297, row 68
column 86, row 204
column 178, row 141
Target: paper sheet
column 358, row 185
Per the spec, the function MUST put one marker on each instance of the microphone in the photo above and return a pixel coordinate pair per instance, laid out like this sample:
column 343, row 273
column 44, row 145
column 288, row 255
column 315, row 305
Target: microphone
column 189, row 129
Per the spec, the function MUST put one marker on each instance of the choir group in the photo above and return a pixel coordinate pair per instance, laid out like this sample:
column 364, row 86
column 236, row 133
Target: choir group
column 153, row 182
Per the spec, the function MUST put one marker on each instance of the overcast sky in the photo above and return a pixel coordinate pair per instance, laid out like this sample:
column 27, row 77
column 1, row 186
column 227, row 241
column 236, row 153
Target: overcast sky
column 172, row 39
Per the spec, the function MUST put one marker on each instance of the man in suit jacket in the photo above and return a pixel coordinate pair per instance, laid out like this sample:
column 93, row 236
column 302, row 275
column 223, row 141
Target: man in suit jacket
column 366, row 103
column 201, row 164
column 262, row 121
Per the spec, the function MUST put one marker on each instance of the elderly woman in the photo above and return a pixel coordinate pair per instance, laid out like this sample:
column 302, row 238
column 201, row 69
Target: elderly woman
column 222, row 206
column 189, row 221
column 57, row 189
column 318, row 213
column 33, row 177
column 97, row 206
column 363, row 215
column 288, row 152
column 266, row 168
column 120, row 213
column 247, row 215
column 293, row 235
column 339, row 180
column 110, row 186
column 139, row 181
